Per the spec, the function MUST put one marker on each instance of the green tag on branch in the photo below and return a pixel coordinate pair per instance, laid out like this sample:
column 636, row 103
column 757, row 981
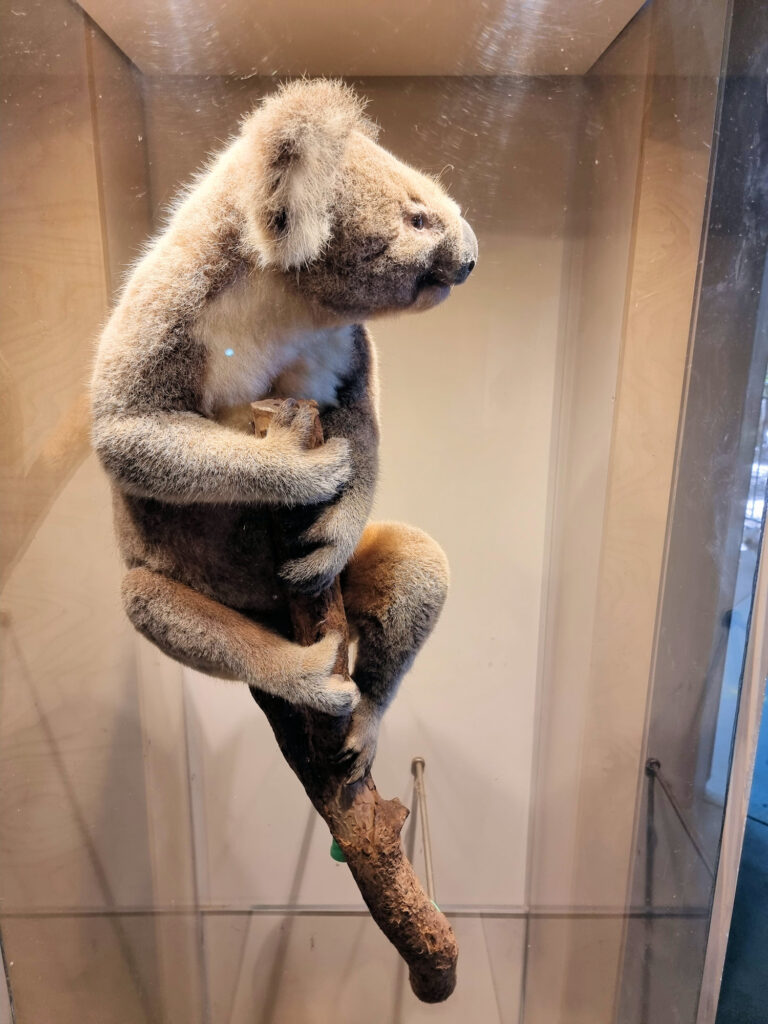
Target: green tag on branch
column 337, row 853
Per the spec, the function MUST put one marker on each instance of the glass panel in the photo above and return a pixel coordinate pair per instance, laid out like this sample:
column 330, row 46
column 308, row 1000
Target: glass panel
column 581, row 426
column 715, row 529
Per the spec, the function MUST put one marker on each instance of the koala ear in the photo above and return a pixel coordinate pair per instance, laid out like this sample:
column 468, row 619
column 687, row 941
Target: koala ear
column 298, row 137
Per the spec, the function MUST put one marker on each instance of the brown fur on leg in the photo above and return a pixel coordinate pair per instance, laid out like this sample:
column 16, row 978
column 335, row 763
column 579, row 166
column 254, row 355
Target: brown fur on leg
column 200, row 632
column 394, row 589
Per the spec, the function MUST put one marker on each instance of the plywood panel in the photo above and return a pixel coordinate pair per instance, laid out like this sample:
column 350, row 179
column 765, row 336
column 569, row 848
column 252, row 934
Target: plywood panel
column 119, row 136
column 73, row 822
column 398, row 37
column 62, row 239
column 53, row 283
column 74, row 830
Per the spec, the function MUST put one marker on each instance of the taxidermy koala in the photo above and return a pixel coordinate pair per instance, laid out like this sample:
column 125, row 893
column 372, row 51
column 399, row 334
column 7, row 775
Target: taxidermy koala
column 259, row 286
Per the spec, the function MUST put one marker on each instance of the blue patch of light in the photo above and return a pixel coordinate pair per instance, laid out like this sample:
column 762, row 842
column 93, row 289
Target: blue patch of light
column 229, row 351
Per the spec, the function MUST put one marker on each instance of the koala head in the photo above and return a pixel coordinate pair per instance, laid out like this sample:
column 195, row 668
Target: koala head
column 359, row 232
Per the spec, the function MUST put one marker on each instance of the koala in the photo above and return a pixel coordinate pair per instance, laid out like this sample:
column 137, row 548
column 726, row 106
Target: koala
column 301, row 230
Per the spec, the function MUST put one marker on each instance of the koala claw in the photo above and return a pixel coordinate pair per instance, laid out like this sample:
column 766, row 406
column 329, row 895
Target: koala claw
column 296, row 417
column 359, row 750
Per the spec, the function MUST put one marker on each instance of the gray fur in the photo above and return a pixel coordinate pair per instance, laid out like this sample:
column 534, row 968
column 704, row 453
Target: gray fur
column 303, row 227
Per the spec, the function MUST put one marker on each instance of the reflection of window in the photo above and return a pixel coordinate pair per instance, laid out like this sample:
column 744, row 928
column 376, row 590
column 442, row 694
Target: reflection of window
column 739, row 617
column 757, row 482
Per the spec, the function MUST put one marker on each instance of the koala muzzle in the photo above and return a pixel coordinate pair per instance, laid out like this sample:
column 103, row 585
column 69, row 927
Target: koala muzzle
column 454, row 260
column 468, row 253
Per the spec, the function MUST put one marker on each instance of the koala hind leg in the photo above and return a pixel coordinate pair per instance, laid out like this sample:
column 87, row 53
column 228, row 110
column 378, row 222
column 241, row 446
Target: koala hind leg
column 209, row 636
column 394, row 588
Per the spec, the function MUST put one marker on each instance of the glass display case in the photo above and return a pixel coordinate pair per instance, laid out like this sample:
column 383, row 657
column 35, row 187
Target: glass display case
column 582, row 427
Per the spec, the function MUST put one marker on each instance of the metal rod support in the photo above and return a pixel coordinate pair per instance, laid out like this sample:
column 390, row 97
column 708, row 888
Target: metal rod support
column 653, row 770
column 417, row 767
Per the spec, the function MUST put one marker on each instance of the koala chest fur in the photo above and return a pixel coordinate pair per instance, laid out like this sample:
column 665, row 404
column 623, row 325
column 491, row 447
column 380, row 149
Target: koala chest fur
column 258, row 344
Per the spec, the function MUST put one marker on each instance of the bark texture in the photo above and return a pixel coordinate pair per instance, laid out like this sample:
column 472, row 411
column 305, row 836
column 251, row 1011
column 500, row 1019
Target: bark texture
column 366, row 827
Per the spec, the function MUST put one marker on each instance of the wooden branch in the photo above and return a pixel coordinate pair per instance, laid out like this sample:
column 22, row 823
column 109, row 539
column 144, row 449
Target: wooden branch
column 366, row 827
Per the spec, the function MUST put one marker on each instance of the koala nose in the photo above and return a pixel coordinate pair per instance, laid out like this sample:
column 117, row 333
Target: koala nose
column 463, row 272
column 468, row 252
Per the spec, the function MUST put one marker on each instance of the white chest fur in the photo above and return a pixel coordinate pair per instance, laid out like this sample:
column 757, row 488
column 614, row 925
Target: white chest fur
column 259, row 341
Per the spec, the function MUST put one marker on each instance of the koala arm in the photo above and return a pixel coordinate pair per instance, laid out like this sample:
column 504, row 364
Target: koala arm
column 333, row 535
column 182, row 457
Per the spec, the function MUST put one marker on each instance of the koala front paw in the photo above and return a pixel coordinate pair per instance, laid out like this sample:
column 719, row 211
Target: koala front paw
column 300, row 474
column 313, row 573
column 323, row 472
column 317, row 688
column 334, row 695
column 337, row 696
column 322, row 550
column 359, row 749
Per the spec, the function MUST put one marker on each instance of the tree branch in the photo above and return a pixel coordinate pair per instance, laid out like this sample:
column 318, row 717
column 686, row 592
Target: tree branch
column 366, row 827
